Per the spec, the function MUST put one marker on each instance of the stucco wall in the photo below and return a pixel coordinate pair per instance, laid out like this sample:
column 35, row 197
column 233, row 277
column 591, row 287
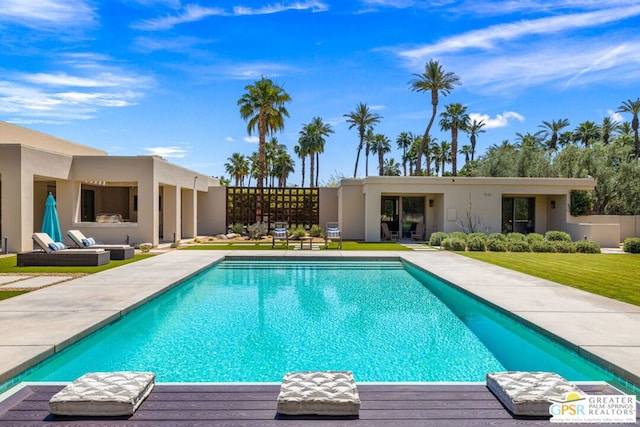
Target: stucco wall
column 328, row 205
column 211, row 211
column 351, row 210
column 13, row 134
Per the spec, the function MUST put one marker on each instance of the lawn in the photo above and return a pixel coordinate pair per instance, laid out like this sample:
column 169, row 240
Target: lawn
column 264, row 245
column 614, row 276
column 8, row 266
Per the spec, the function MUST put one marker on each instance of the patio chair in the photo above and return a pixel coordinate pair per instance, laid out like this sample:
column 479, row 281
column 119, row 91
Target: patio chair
column 56, row 254
column 280, row 232
column 418, row 233
column 386, row 233
column 115, row 251
column 333, row 233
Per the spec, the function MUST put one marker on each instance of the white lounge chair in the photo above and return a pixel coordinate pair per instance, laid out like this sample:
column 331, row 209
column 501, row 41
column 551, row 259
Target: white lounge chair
column 57, row 254
column 115, row 251
column 333, row 233
column 280, row 232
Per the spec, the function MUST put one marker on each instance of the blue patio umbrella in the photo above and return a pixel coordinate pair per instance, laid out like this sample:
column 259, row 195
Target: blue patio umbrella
column 50, row 222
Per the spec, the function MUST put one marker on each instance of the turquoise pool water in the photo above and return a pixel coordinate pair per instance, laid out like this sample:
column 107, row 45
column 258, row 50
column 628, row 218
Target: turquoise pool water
column 248, row 320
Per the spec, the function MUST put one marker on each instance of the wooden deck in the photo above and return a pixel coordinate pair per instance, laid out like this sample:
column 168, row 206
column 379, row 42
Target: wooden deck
column 255, row 406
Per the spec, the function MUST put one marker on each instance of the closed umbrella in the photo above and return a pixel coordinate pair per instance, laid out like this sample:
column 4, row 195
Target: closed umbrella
column 50, row 222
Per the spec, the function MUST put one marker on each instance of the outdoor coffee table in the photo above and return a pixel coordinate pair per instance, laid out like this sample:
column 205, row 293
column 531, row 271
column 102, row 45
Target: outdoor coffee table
column 306, row 239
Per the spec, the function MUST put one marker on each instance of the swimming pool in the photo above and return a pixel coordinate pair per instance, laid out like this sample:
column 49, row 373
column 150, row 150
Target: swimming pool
column 251, row 320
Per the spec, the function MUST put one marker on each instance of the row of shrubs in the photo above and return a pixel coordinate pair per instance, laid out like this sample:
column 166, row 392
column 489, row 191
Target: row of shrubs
column 260, row 229
column 552, row 241
column 631, row 245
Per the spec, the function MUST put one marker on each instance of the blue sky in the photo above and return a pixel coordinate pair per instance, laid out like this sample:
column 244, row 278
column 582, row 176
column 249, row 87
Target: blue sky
column 139, row 77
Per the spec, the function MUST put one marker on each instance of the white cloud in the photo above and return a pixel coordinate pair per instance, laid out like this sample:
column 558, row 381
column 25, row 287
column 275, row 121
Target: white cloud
column 193, row 13
column 251, row 139
column 488, row 38
column 615, row 116
column 168, row 152
column 499, row 121
column 48, row 14
column 229, row 139
column 377, row 107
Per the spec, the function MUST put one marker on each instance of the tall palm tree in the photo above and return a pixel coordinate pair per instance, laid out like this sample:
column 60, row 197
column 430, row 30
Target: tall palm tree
column 437, row 81
column 607, row 128
column 368, row 140
column 436, row 154
column 323, row 130
column 380, row 145
column 312, row 136
column 445, row 154
column 303, row 149
column 587, row 132
column 474, row 129
column 467, row 152
column 263, row 107
column 454, row 118
column 404, row 141
column 361, row 118
column 552, row 129
column 272, row 149
column 283, row 166
column 237, row 167
column 632, row 107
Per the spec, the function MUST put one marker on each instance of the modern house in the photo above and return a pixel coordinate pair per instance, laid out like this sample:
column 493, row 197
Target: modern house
column 146, row 199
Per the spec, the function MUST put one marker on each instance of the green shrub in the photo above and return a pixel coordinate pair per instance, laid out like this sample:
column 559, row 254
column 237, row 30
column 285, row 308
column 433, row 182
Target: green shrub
column 454, row 244
column 581, row 203
column 498, row 236
column 437, row 238
column 587, row 247
column 477, row 243
column 518, row 245
column 459, row 235
column 534, row 237
column 237, row 228
column 541, row 245
column 316, row 231
column 297, row 232
column 563, row 247
column 631, row 245
column 482, row 236
column 516, row 237
column 557, row 236
column 497, row 245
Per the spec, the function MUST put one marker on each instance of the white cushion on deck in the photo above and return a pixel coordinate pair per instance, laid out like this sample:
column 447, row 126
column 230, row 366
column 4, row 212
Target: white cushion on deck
column 103, row 394
column 529, row 393
column 319, row 393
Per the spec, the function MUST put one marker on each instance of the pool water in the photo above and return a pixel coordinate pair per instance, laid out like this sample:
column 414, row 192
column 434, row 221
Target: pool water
column 248, row 320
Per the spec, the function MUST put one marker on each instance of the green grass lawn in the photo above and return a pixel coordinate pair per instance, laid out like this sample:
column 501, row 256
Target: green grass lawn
column 614, row 276
column 8, row 265
column 9, row 294
column 264, row 245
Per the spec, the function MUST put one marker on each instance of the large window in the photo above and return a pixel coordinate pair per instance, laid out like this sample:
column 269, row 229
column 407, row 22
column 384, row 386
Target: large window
column 412, row 214
column 518, row 214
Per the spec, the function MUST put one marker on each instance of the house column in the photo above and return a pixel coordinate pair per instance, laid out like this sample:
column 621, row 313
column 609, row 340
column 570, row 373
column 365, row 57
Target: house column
column 189, row 212
column 170, row 213
column 17, row 207
column 372, row 207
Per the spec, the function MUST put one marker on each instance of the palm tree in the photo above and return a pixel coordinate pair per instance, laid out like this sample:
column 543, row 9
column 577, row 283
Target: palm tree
column 445, row 154
column 391, row 168
column 283, row 166
column 587, row 132
column 435, row 155
column 323, row 130
column 237, row 167
column 553, row 128
column 404, row 141
column 607, row 128
column 380, row 145
column 273, row 149
column 303, row 149
column 263, row 107
column 467, row 152
column 312, row 136
column 368, row 140
column 362, row 118
column 454, row 118
column 436, row 81
column 528, row 140
column 632, row 107
column 474, row 129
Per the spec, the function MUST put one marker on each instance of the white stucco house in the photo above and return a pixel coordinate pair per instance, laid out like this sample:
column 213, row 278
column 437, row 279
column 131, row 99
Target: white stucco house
column 137, row 199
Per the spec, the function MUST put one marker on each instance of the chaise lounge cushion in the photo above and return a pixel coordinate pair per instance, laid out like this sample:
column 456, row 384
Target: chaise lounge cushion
column 102, row 394
column 332, row 393
column 529, row 393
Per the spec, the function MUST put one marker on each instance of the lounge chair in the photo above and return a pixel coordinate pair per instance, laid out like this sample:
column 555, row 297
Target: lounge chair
column 418, row 233
column 57, row 254
column 333, row 233
column 115, row 251
column 386, row 233
column 280, row 232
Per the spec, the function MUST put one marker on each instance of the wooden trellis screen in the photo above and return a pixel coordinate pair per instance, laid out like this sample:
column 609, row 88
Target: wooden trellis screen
column 295, row 206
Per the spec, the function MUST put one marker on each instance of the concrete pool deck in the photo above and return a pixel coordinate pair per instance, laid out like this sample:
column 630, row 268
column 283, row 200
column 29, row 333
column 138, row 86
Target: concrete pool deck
column 40, row 323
